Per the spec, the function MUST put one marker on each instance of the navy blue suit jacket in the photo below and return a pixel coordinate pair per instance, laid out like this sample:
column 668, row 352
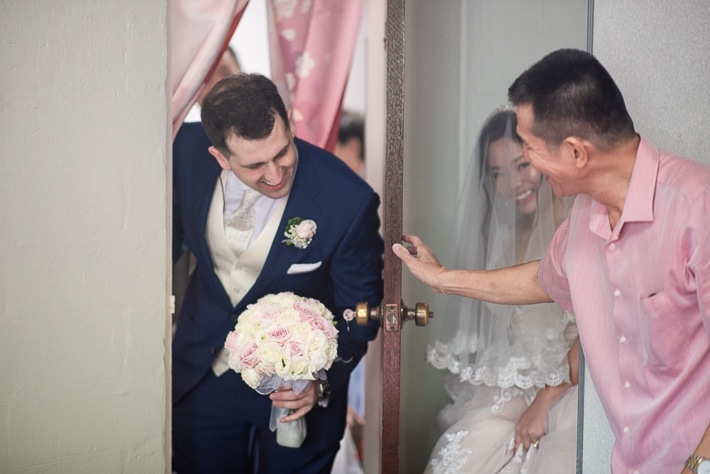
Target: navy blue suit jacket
column 347, row 243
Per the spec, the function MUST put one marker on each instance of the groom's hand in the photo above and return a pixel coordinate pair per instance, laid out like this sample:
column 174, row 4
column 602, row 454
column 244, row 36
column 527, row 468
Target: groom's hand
column 300, row 403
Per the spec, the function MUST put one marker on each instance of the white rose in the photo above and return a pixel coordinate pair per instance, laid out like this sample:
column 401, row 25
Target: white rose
column 301, row 331
column 283, row 368
column 289, row 317
column 251, row 377
column 270, row 354
column 317, row 361
column 316, row 352
column 300, row 369
column 331, row 352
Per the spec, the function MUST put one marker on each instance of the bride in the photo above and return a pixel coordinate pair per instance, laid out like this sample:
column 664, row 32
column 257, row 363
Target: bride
column 514, row 405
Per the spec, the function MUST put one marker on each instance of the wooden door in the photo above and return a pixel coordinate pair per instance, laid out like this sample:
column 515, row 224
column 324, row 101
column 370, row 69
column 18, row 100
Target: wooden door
column 392, row 313
column 391, row 310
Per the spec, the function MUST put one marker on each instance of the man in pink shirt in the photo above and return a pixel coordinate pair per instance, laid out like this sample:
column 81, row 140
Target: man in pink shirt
column 632, row 261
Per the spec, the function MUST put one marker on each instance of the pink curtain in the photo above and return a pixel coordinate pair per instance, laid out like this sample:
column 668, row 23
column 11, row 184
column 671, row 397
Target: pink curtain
column 201, row 30
column 312, row 43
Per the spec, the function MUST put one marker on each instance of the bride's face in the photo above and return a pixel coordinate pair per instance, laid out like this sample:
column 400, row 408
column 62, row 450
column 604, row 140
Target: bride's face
column 512, row 177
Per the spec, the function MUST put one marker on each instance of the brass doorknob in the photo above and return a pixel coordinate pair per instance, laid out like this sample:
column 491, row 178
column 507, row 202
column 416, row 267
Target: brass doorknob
column 420, row 314
column 363, row 314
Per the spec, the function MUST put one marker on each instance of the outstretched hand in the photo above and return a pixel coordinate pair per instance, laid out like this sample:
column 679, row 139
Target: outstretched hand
column 420, row 260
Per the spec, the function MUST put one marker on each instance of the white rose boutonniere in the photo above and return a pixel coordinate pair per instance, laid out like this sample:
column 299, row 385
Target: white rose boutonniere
column 300, row 232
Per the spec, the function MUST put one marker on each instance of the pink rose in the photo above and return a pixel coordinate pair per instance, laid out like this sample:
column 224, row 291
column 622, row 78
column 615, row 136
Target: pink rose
column 247, row 355
column 294, row 349
column 306, row 229
column 324, row 325
column 269, row 311
column 305, row 310
column 278, row 334
column 231, row 342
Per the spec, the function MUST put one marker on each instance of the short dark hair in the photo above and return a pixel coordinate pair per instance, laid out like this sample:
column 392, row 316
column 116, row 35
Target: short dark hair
column 352, row 125
column 245, row 105
column 572, row 94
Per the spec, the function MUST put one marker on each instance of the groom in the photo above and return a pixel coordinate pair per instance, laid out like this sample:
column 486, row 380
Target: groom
column 219, row 423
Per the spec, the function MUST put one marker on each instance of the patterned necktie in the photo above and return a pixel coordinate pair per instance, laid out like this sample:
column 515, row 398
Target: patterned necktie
column 240, row 225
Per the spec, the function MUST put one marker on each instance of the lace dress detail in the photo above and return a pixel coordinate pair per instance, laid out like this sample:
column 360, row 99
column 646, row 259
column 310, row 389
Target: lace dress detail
column 452, row 457
column 534, row 354
column 506, row 395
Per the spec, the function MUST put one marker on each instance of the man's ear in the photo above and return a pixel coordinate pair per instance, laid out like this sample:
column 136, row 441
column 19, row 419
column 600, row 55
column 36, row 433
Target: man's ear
column 291, row 125
column 577, row 149
column 221, row 159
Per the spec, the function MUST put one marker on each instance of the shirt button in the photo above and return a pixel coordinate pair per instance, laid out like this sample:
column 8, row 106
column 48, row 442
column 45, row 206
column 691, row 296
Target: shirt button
column 626, row 429
column 622, row 339
column 612, row 246
column 627, row 384
column 617, row 292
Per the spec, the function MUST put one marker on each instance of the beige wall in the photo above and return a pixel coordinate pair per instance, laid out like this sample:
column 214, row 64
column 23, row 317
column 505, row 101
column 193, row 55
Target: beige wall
column 84, row 151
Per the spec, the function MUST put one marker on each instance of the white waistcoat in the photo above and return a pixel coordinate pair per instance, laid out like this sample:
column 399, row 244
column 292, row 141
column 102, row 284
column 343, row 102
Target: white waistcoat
column 237, row 275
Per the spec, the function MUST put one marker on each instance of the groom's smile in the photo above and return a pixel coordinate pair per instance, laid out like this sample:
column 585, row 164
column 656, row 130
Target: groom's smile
column 267, row 165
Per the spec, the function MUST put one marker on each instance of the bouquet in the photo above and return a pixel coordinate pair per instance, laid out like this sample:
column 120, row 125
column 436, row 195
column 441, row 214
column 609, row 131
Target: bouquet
column 283, row 340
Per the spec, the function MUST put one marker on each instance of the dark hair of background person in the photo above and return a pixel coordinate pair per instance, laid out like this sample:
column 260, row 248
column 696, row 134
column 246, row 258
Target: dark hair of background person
column 244, row 104
column 228, row 65
column 572, row 94
column 352, row 125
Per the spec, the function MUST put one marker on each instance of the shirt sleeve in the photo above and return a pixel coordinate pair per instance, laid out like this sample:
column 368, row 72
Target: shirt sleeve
column 551, row 272
column 699, row 262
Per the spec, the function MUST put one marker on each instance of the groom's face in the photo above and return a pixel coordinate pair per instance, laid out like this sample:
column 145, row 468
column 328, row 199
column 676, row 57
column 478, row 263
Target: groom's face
column 267, row 165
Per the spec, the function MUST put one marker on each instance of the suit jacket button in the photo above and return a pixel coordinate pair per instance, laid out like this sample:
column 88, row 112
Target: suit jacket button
column 213, row 349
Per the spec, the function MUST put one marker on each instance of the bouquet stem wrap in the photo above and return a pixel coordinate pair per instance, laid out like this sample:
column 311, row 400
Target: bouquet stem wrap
column 290, row 434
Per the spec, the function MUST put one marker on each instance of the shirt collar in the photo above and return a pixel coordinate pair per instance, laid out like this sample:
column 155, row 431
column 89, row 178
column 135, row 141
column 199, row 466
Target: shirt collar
column 638, row 204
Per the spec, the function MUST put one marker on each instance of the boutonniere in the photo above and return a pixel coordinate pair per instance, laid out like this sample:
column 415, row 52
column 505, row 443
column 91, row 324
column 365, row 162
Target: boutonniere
column 300, row 232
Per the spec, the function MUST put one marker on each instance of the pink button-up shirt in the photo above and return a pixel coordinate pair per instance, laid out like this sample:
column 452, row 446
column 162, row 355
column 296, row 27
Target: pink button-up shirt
column 641, row 295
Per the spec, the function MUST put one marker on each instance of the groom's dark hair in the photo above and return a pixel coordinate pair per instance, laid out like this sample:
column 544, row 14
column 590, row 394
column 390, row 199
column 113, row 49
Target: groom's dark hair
column 244, row 104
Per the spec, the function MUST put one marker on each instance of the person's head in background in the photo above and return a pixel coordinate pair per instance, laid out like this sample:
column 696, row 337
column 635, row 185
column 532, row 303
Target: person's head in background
column 351, row 141
column 228, row 66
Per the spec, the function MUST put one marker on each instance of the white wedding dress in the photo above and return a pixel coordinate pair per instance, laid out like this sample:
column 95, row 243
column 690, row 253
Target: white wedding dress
column 479, row 442
column 479, row 425
column 498, row 357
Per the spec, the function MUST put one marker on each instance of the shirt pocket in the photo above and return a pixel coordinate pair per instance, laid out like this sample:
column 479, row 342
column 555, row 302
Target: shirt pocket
column 664, row 335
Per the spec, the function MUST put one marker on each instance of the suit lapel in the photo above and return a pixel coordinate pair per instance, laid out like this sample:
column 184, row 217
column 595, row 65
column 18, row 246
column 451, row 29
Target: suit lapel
column 302, row 202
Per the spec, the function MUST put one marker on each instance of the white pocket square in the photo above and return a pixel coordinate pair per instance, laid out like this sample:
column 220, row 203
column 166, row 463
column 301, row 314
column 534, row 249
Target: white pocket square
column 302, row 268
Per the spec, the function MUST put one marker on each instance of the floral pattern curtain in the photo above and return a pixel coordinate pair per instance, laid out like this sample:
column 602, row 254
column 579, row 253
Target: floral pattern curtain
column 312, row 43
column 201, row 30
